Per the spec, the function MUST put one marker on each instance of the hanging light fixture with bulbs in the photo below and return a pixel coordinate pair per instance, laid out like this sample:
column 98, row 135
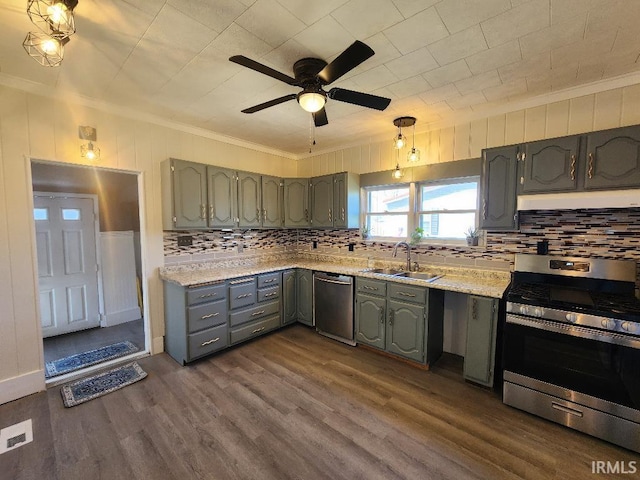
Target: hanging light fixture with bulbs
column 55, row 20
column 400, row 141
column 89, row 150
column 414, row 153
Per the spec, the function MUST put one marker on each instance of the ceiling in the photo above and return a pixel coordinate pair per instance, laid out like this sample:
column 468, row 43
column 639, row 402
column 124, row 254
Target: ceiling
column 437, row 60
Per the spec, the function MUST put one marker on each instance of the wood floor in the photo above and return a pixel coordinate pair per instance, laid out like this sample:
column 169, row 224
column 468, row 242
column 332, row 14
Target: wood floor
column 72, row 343
column 296, row 405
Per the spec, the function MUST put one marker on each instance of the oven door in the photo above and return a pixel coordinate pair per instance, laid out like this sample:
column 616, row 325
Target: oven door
column 597, row 364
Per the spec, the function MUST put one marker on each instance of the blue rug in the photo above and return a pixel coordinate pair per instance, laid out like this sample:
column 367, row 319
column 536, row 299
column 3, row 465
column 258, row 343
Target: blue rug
column 93, row 387
column 86, row 359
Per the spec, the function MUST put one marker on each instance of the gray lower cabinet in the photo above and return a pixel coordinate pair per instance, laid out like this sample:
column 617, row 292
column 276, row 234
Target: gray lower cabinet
column 304, row 296
column 480, row 351
column 195, row 320
column 289, row 297
column 254, row 306
column 402, row 319
column 613, row 159
column 498, row 181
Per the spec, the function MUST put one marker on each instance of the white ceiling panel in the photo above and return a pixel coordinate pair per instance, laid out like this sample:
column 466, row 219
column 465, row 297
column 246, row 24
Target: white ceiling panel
column 364, row 18
column 459, row 15
column 422, row 29
column 448, row 74
column 460, row 45
column 526, row 18
column 271, row 22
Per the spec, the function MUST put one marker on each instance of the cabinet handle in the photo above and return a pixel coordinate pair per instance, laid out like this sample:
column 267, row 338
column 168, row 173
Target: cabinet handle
column 391, row 316
column 255, row 314
column 404, row 294
column 237, row 282
column 367, row 287
column 212, row 212
column 258, row 214
column 484, row 208
column 330, row 218
column 590, row 170
column 204, row 317
column 382, row 315
column 264, row 214
column 208, row 295
column 271, row 280
column 306, row 214
column 258, row 330
column 343, row 214
column 573, row 167
column 203, row 211
column 270, row 294
column 210, row 342
column 244, row 295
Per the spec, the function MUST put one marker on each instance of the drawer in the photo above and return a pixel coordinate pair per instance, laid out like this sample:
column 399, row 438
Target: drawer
column 242, row 294
column 255, row 329
column 248, row 314
column 371, row 287
column 269, row 279
column 206, row 315
column 407, row 293
column 208, row 293
column 208, row 341
column 268, row 294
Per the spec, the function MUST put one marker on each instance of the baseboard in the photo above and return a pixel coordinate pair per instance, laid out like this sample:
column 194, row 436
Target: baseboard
column 123, row 316
column 17, row 387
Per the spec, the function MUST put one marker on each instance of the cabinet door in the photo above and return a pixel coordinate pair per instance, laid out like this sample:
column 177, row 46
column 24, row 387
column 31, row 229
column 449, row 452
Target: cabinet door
column 549, row 165
column 189, row 194
column 249, row 188
column 305, row 297
column 498, row 206
column 271, row 202
column 322, row 201
column 223, row 197
column 289, row 304
column 370, row 320
column 346, row 200
column 479, row 358
column 613, row 159
column 405, row 329
column 296, row 202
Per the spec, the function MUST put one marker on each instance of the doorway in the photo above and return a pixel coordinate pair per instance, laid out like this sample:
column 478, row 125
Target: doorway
column 88, row 245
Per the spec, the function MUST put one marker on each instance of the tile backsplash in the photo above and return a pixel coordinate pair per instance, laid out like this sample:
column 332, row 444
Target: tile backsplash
column 604, row 233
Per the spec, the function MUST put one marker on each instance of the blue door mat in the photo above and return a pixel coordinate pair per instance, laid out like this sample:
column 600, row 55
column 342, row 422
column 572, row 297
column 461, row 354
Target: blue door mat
column 98, row 385
column 86, row 359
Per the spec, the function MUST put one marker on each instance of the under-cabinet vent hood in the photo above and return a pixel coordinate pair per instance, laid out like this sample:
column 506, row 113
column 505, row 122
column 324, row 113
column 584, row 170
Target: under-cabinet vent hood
column 580, row 200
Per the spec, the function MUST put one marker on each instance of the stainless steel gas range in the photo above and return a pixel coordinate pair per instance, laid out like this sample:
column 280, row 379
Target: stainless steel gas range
column 572, row 344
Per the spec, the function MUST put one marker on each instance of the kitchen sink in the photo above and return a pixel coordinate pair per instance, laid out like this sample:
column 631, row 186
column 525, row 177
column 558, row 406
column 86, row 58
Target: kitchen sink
column 384, row 271
column 429, row 277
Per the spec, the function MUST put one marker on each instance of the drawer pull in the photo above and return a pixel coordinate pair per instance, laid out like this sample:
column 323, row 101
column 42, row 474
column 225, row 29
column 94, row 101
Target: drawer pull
column 271, row 280
column 244, row 295
column 367, row 287
column 270, row 294
column 404, row 294
column 564, row 409
column 257, row 313
column 208, row 295
column 258, row 330
column 244, row 280
column 210, row 342
column 210, row 315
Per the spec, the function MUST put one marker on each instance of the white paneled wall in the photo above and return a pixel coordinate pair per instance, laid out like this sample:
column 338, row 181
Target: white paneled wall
column 43, row 128
column 608, row 109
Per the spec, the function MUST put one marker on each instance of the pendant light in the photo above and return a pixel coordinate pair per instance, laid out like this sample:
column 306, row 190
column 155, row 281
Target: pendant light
column 88, row 151
column 45, row 49
column 397, row 172
column 400, row 140
column 53, row 17
column 414, row 153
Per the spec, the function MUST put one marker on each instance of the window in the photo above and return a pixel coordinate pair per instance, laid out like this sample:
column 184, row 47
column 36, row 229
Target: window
column 41, row 213
column 71, row 214
column 444, row 209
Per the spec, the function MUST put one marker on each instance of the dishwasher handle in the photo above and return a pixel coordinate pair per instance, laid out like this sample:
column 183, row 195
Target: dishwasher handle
column 326, row 280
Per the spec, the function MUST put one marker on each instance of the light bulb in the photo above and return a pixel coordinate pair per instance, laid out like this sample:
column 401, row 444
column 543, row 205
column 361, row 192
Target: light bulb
column 397, row 173
column 57, row 12
column 311, row 101
column 49, row 46
column 91, row 155
column 414, row 155
column 399, row 141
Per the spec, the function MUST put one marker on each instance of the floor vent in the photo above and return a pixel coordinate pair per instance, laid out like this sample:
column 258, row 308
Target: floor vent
column 16, row 436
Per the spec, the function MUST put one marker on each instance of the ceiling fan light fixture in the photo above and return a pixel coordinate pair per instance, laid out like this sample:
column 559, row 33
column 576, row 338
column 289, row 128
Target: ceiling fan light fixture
column 53, row 17
column 45, row 49
column 312, row 101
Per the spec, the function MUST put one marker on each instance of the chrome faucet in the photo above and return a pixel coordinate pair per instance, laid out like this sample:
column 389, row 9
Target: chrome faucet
column 408, row 247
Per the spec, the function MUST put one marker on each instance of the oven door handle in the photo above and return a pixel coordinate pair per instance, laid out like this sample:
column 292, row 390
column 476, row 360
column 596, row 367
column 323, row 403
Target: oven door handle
column 576, row 331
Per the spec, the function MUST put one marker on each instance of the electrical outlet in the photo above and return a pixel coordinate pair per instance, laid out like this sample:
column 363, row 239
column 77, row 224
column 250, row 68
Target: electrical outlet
column 351, row 246
column 315, row 244
column 16, row 436
column 185, row 240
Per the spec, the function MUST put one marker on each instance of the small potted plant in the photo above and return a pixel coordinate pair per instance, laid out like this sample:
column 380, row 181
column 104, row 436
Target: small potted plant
column 472, row 236
column 364, row 232
column 417, row 235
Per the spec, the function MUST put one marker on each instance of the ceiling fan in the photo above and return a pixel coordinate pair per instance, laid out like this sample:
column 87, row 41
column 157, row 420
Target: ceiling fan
column 312, row 74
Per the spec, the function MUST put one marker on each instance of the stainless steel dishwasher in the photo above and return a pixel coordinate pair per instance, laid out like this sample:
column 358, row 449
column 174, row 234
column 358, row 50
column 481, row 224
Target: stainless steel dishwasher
column 333, row 306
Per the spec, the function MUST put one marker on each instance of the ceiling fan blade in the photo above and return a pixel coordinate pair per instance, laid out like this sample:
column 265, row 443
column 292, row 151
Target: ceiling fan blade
column 270, row 103
column 359, row 98
column 353, row 56
column 320, row 118
column 258, row 67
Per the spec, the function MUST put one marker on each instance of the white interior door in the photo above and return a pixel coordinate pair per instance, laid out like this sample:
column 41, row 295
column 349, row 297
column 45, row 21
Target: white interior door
column 67, row 263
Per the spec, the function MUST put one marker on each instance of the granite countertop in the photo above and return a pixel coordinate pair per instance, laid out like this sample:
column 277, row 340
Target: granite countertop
column 488, row 283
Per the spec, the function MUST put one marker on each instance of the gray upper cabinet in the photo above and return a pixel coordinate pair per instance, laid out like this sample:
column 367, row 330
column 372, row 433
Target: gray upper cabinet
column 346, row 200
column 613, row 159
column 271, row 202
column 249, row 199
column 549, row 165
column 296, row 202
column 322, row 201
column 482, row 321
column 498, row 204
column 222, row 197
column 184, row 186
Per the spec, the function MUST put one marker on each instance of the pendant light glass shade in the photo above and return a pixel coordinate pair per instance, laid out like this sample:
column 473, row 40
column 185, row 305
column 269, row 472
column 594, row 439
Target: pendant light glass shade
column 312, row 102
column 48, row 51
column 90, row 151
column 414, row 155
column 53, row 17
column 397, row 173
column 399, row 141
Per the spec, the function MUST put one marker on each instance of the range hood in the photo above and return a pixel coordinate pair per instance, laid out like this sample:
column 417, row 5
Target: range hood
column 580, row 200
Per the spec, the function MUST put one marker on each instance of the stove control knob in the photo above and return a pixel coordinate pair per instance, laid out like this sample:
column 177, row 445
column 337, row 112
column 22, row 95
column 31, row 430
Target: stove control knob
column 609, row 324
column 538, row 312
column 572, row 317
column 524, row 310
column 509, row 307
column 628, row 327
